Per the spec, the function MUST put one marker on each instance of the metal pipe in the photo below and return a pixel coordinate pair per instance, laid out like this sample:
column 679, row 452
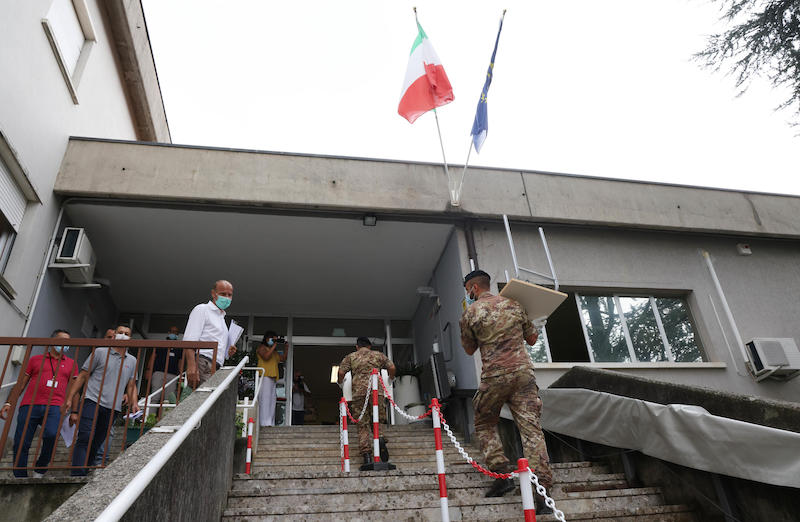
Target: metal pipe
column 125, row 499
column 42, row 272
column 725, row 306
column 724, row 336
column 511, row 245
column 469, row 237
column 549, row 258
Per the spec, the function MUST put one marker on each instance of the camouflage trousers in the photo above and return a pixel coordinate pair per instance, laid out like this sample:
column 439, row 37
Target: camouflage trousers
column 365, row 435
column 519, row 390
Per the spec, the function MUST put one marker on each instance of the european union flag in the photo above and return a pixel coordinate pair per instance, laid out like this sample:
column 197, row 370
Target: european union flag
column 481, row 124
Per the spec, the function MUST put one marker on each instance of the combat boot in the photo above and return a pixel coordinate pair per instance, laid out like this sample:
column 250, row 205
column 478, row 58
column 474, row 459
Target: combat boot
column 383, row 450
column 367, row 465
column 541, row 507
column 500, row 487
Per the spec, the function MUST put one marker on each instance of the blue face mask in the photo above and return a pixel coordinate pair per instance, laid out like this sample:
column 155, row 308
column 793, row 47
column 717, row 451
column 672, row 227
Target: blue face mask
column 223, row 302
column 172, row 337
column 469, row 300
column 61, row 349
column 270, row 342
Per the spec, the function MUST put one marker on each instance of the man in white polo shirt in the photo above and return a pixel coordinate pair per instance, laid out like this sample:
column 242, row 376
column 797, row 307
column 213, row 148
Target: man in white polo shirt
column 207, row 323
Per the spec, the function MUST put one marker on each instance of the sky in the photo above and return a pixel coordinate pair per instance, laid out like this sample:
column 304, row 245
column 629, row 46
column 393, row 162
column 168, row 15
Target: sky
column 592, row 88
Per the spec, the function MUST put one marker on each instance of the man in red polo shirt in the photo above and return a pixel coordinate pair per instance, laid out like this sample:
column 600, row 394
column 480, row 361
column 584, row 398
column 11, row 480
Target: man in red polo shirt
column 50, row 374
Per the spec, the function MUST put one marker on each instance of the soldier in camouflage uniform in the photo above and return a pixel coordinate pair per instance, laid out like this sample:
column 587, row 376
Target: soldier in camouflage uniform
column 499, row 326
column 360, row 364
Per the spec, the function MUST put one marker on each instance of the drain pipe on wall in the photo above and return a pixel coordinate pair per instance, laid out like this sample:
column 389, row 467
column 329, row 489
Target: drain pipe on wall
column 43, row 271
column 725, row 306
column 472, row 252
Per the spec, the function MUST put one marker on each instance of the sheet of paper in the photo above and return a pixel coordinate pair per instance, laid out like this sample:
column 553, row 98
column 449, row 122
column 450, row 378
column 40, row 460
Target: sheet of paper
column 67, row 431
column 133, row 416
column 234, row 332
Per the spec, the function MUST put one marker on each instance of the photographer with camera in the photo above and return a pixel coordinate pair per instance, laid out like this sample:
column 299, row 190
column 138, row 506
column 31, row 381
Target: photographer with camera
column 268, row 359
column 299, row 393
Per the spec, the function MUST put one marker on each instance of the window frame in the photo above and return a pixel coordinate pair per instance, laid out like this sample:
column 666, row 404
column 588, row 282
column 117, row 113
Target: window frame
column 72, row 79
column 628, row 340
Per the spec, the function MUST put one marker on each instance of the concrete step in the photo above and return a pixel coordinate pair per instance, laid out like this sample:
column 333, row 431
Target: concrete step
column 562, row 472
column 325, row 453
column 485, row 510
column 373, row 499
column 346, row 483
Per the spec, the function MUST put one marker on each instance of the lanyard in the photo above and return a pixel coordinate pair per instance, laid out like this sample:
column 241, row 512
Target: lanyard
column 52, row 371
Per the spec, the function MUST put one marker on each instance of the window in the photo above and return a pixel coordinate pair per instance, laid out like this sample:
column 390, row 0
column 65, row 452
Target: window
column 71, row 35
column 618, row 329
column 12, row 208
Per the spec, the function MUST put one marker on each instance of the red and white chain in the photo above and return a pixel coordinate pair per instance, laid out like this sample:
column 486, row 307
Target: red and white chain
column 547, row 499
column 363, row 410
column 398, row 409
column 534, row 479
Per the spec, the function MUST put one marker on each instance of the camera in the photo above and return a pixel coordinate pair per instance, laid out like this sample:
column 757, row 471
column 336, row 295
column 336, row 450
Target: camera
column 280, row 340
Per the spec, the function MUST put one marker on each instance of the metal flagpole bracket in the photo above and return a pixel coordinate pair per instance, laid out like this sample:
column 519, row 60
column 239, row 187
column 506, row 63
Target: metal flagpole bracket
column 517, row 268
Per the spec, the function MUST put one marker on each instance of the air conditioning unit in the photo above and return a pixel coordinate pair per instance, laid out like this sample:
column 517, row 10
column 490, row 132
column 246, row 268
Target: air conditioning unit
column 75, row 256
column 773, row 358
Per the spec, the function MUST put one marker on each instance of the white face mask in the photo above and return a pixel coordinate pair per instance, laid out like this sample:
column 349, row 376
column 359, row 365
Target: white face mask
column 122, row 337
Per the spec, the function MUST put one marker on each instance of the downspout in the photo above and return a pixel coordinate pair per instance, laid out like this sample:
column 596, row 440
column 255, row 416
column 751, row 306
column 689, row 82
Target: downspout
column 725, row 306
column 43, row 271
column 472, row 253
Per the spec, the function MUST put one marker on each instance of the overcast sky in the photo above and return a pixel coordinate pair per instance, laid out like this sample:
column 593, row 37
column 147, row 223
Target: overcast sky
column 583, row 87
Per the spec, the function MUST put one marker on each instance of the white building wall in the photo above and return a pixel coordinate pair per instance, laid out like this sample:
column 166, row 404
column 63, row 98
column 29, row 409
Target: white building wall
column 37, row 115
column 762, row 289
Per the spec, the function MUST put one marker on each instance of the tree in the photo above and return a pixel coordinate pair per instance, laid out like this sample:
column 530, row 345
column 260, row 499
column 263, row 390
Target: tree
column 764, row 40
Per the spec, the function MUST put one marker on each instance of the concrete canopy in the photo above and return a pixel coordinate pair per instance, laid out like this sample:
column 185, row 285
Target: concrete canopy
column 164, row 260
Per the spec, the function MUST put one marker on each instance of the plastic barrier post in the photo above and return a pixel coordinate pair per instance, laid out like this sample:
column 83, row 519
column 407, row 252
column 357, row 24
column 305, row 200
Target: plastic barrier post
column 249, row 445
column 376, row 452
column 437, row 433
column 345, row 439
column 526, row 490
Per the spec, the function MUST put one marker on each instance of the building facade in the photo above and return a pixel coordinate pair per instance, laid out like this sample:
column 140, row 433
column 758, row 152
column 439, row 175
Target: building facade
column 325, row 249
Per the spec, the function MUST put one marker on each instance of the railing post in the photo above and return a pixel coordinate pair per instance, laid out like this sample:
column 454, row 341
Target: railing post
column 249, row 456
column 526, row 490
column 437, row 434
column 344, row 436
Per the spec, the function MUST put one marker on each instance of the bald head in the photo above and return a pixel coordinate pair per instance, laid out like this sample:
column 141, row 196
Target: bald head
column 222, row 289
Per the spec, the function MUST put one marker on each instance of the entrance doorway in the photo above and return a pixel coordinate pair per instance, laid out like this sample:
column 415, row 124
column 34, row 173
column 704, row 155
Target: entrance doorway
column 315, row 363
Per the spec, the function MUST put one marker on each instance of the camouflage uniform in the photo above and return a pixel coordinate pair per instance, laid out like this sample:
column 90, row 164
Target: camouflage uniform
column 499, row 326
column 360, row 364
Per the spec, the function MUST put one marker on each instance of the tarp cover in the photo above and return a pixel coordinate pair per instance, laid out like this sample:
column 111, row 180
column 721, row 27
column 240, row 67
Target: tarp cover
column 685, row 435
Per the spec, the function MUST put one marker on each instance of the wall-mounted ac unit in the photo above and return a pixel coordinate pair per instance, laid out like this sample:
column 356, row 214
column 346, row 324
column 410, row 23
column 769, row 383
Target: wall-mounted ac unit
column 775, row 358
column 75, row 256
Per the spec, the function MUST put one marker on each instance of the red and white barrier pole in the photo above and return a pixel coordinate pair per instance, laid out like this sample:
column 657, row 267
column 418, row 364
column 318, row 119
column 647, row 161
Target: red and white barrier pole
column 437, row 434
column 345, row 439
column 526, row 490
column 249, row 445
column 376, row 452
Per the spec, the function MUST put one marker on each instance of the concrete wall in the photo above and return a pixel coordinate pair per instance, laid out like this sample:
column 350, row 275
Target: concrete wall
column 447, row 283
column 194, row 483
column 37, row 116
column 146, row 171
column 23, row 500
column 761, row 289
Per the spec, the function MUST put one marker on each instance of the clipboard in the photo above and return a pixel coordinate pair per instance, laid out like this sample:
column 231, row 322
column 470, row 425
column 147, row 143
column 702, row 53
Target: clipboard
column 539, row 302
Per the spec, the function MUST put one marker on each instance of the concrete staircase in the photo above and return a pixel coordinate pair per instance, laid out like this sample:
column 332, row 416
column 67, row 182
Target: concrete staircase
column 296, row 476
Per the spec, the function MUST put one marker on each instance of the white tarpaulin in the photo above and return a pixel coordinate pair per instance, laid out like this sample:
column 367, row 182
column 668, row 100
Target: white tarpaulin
column 685, row 435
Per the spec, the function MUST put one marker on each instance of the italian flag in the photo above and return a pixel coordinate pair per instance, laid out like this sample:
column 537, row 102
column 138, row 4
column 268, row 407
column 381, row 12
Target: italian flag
column 426, row 85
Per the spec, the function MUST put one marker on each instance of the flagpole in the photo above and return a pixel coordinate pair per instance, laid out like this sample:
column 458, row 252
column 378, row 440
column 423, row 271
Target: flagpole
column 450, row 183
column 457, row 200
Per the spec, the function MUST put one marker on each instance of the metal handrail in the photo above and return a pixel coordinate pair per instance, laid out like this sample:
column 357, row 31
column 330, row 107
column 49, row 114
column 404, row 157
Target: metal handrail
column 125, row 498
